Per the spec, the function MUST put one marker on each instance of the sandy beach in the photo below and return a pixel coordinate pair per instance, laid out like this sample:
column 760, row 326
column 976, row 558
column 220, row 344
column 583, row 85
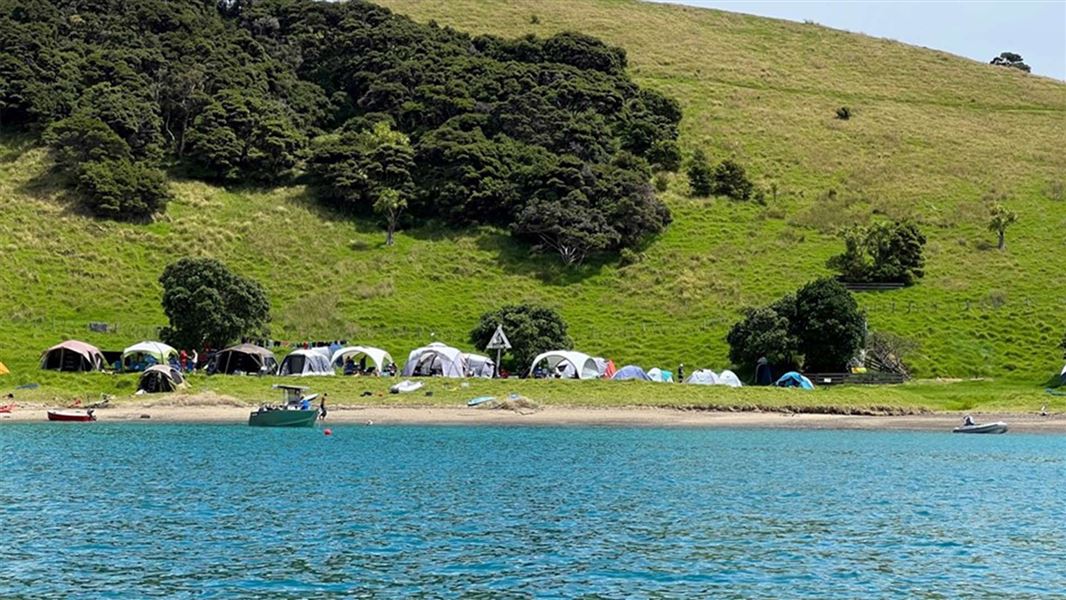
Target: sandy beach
column 149, row 412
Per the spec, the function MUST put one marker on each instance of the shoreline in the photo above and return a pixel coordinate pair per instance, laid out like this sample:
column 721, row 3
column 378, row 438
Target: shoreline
column 548, row 416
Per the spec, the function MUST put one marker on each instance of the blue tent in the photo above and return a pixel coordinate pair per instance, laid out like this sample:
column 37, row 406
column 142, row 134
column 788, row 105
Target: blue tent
column 631, row 372
column 793, row 379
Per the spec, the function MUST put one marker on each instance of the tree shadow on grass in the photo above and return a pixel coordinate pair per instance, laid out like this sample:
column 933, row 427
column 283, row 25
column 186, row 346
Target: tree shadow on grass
column 16, row 142
column 517, row 258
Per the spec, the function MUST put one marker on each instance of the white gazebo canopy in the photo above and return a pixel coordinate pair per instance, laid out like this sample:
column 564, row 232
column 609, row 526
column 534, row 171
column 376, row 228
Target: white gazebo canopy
column 379, row 357
column 575, row 365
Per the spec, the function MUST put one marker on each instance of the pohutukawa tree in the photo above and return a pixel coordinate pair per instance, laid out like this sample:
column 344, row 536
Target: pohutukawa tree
column 207, row 304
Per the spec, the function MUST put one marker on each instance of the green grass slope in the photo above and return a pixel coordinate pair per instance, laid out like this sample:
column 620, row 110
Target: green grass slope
column 932, row 134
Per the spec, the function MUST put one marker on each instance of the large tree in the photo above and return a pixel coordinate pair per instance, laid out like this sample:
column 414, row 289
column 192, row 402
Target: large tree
column 531, row 329
column 1012, row 60
column 207, row 304
column 820, row 325
column 828, row 325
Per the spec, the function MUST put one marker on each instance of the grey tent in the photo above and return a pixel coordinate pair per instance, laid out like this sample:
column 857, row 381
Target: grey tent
column 631, row 372
column 245, row 358
column 160, row 378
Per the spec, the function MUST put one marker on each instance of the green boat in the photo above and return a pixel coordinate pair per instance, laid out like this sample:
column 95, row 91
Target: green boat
column 289, row 413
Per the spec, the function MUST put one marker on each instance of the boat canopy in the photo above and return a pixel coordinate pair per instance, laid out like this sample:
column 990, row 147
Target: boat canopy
column 379, row 357
column 570, row 364
column 73, row 355
column 436, row 359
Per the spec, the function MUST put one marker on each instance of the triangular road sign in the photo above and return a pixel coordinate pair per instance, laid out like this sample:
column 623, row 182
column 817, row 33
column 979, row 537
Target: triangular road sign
column 499, row 340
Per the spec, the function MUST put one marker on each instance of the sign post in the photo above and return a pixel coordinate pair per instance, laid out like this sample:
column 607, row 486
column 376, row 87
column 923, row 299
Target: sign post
column 499, row 343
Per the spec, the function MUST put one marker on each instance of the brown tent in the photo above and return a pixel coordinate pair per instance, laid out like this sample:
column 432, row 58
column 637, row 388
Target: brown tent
column 73, row 355
column 245, row 358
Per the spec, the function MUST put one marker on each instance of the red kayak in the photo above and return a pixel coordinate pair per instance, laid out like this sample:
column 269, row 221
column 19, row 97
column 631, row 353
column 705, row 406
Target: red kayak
column 6, row 408
column 71, row 415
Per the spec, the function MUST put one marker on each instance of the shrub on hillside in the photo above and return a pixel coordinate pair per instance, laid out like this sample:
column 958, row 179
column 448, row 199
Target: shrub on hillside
column 209, row 305
column 843, row 113
column 730, row 180
column 820, row 326
column 1012, row 60
column 887, row 352
column 122, row 189
column 81, row 138
column 1000, row 218
column 531, row 329
column 882, row 252
column 699, row 175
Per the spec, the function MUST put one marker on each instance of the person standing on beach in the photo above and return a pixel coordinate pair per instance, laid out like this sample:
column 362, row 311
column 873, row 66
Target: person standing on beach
column 322, row 407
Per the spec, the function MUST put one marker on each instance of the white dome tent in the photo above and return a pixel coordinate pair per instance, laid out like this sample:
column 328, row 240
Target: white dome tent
column 380, row 358
column 703, row 377
column 435, row 360
column 573, row 365
column 729, row 378
column 306, row 363
column 479, row 366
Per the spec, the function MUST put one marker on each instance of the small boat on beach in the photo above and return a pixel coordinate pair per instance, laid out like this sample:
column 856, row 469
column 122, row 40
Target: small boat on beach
column 997, row 427
column 295, row 411
column 80, row 416
column 6, row 408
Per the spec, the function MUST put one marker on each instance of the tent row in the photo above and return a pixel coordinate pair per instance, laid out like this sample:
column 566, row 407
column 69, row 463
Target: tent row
column 158, row 363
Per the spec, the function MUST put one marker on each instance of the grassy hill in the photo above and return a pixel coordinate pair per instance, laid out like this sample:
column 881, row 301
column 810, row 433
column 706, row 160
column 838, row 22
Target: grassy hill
column 931, row 136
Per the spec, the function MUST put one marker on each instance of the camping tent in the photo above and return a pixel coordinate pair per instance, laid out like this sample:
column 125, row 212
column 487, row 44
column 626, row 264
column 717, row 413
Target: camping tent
column 703, row 377
column 73, row 355
column 160, row 378
column 631, row 372
column 245, row 358
column 568, row 363
column 660, row 375
column 306, row 363
column 436, row 359
column 138, row 356
column 360, row 354
column 479, row 366
column 729, row 378
column 793, row 379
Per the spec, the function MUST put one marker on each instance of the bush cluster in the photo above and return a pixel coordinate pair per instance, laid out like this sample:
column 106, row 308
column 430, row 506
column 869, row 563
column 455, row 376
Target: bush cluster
column 547, row 137
column 881, row 253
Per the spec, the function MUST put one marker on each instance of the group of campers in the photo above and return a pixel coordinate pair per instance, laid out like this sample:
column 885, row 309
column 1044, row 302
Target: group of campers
column 162, row 365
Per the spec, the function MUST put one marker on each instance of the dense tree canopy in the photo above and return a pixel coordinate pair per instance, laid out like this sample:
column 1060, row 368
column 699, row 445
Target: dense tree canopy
column 819, row 326
column 207, row 304
column 502, row 132
column 531, row 330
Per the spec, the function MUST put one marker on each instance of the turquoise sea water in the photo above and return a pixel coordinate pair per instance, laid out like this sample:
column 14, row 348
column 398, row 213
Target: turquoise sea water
column 136, row 510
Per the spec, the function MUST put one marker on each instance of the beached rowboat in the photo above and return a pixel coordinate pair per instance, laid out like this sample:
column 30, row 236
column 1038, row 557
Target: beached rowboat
column 71, row 415
column 997, row 427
